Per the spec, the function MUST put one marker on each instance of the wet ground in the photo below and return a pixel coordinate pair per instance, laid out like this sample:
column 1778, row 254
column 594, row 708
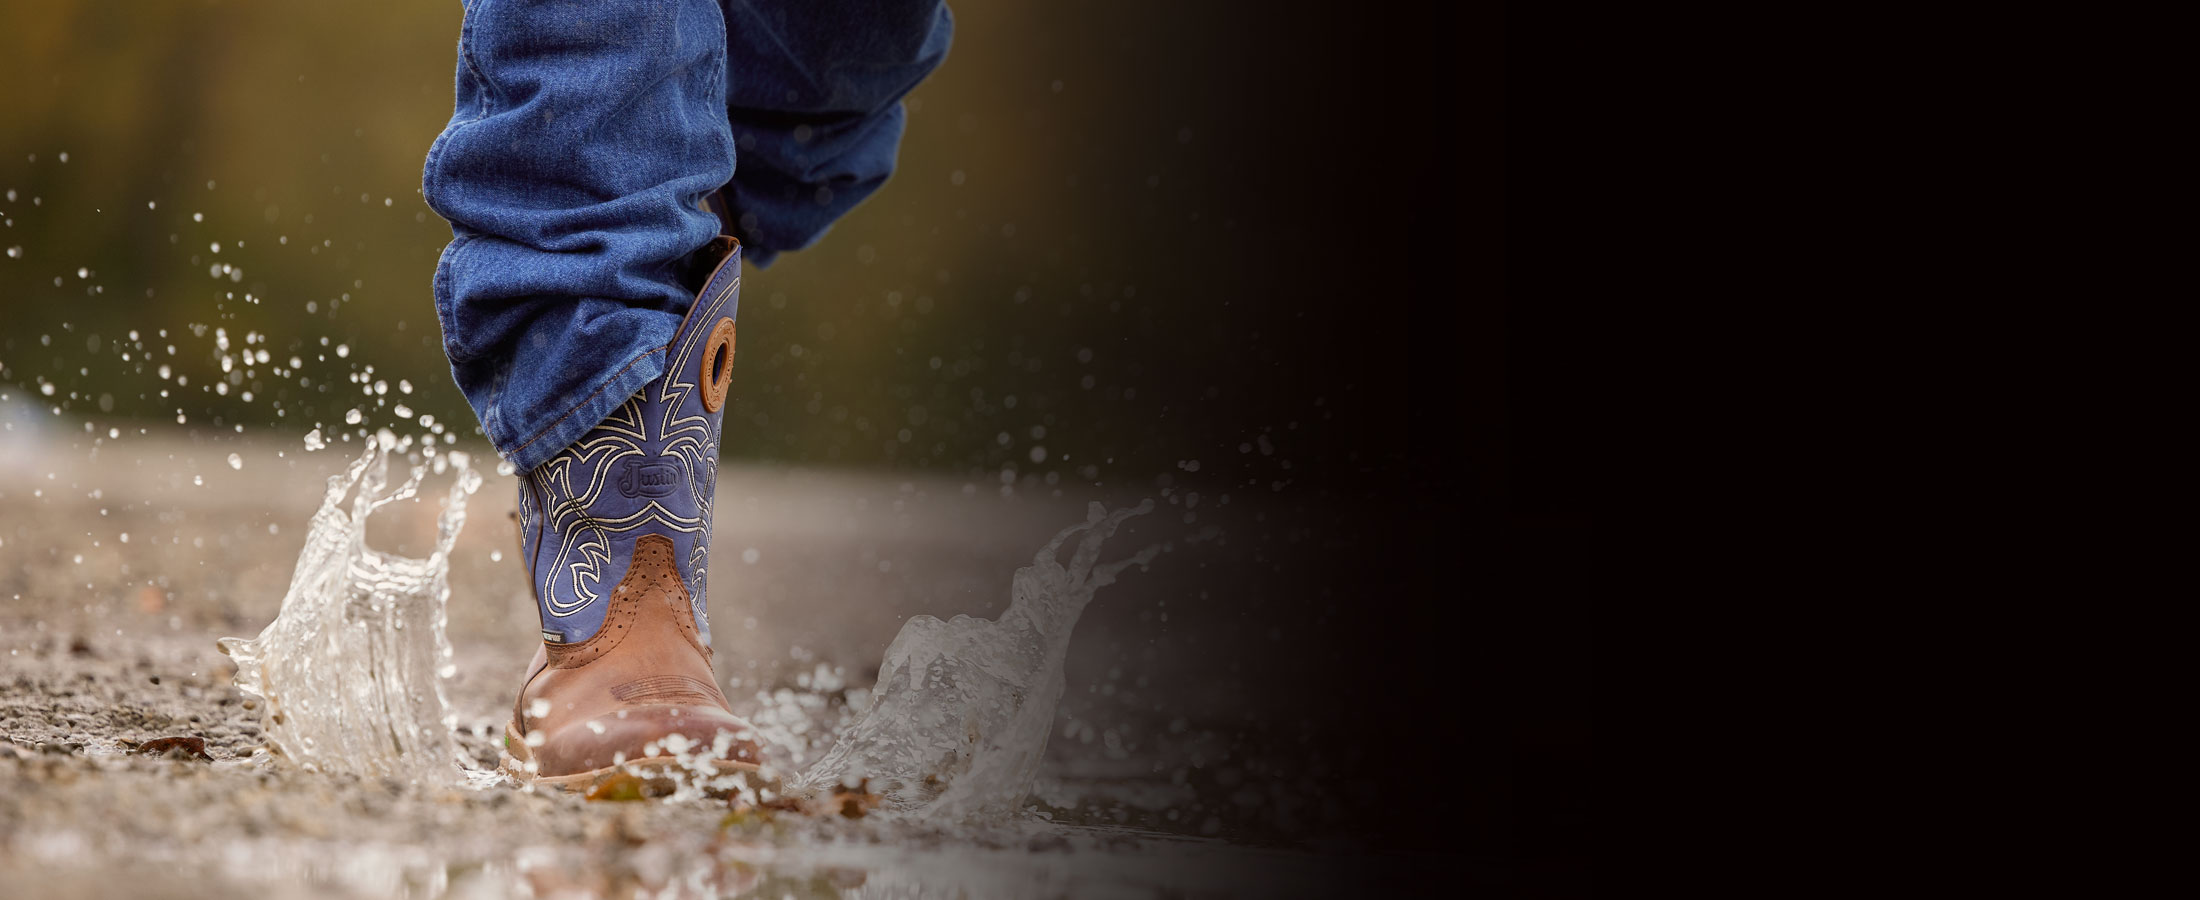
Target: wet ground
column 122, row 559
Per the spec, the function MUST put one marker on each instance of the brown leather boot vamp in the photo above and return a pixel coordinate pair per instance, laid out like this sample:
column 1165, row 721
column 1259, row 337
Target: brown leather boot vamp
column 637, row 697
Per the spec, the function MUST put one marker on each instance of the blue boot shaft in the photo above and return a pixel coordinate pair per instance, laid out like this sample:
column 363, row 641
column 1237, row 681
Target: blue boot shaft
column 650, row 468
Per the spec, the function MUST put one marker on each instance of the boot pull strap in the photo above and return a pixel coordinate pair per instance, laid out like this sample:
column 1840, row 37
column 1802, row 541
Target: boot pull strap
column 707, row 259
column 716, row 202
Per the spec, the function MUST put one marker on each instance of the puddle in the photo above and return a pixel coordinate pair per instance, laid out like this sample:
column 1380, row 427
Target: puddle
column 367, row 794
column 951, row 740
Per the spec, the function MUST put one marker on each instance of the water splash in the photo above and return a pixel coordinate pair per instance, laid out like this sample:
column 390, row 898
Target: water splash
column 351, row 671
column 962, row 711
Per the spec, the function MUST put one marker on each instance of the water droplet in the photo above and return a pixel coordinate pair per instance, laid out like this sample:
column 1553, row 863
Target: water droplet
column 235, row 461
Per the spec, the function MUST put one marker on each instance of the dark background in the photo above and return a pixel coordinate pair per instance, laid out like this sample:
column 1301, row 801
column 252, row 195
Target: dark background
column 1170, row 231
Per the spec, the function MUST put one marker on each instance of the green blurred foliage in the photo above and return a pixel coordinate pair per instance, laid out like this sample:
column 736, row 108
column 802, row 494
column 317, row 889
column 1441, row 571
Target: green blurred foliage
column 1094, row 245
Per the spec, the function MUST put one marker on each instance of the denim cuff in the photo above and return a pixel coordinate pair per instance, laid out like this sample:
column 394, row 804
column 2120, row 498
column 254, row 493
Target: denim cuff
column 527, row 438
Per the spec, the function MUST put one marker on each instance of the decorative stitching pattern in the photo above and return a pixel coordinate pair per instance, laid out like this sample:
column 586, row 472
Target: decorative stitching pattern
column 667, row 688
column 652, row 570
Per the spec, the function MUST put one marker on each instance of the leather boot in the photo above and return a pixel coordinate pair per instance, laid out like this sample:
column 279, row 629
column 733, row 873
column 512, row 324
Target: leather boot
column 615, row 532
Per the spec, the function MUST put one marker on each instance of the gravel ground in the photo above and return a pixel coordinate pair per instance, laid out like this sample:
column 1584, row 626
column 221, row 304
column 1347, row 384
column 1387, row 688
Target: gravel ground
column 1180, row 766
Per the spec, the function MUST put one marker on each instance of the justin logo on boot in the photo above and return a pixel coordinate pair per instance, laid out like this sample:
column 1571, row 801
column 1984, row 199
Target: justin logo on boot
column 640, row 479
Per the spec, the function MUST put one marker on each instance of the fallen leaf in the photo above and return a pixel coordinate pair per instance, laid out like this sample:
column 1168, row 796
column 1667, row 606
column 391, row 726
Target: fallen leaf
column 784, row 804
column 854, row 802
column 183, row 747
column 619, row 788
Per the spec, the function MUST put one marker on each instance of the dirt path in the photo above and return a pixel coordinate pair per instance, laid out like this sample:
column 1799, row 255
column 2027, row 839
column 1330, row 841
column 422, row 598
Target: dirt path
column 122, row 560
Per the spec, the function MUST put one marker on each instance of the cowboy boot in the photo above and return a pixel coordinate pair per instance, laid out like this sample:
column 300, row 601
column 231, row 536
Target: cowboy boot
column 615, row 532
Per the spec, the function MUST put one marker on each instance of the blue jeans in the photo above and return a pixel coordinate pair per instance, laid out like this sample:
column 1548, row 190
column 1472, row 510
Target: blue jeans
column 584, row 137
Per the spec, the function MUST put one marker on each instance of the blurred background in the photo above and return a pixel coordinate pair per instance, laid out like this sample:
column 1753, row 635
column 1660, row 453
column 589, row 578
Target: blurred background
column 1108, row 238
column 1251, row 252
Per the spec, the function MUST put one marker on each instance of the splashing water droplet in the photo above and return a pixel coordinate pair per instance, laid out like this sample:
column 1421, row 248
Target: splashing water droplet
column 963, row 708
column 352, row 668
column 235, row 461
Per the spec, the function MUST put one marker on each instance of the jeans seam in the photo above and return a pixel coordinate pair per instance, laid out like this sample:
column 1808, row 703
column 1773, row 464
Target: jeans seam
column 489, row 91
column 446, row 303
column 466, row 55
